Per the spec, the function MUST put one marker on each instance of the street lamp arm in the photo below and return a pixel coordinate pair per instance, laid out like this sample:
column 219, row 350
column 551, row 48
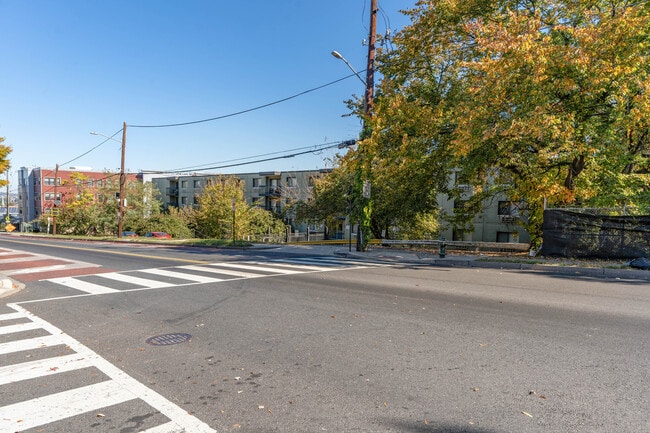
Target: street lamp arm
column 340, row 57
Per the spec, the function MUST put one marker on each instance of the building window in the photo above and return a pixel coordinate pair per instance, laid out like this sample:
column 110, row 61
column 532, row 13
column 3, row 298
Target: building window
column 256, row 182
column 50, row 181
column 50, row 196
column 184, row 201
column 291, row 181
column 505, row 208
column 197, row 184
column 100, row 183
column 183, row 184
column 91, row 182
column 196, row 199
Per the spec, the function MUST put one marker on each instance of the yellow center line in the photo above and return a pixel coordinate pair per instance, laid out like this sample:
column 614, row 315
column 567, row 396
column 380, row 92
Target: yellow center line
column 119, row 253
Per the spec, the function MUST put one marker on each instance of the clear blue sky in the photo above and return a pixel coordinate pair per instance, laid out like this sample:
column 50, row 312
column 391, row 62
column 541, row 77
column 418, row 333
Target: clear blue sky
column 75, row 66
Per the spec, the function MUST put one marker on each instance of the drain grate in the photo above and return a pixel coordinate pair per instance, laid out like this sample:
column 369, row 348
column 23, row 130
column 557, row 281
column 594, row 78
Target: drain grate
column 168, row 339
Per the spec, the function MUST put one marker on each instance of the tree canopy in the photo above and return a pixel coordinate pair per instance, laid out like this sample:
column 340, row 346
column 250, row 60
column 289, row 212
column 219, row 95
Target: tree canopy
column 5, row 164
column 545, row 101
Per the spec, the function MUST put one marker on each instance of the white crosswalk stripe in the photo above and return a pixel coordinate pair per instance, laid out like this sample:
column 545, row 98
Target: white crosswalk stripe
column 84, row 286
column 195, row 274
column 43, row 410
column 118, row 388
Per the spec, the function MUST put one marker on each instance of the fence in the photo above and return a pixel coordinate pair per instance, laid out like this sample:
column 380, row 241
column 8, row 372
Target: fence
column 590, row 234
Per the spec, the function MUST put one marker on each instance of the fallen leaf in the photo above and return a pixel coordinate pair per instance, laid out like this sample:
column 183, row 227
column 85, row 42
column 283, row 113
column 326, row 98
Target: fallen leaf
column 236, row 425
column 476, row 389
column 54, row 368
column 527, row 414
column 100, row 415
column 333, row 317
column 260, row 407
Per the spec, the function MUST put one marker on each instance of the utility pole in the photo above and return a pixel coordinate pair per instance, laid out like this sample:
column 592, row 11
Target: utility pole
column 53, row 210
column 8, row 218
column 120, row 206
column 364, row 229
column 370, row 68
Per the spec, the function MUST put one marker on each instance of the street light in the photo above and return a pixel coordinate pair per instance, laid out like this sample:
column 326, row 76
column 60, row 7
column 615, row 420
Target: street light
column 120, row 206
column 340, row 57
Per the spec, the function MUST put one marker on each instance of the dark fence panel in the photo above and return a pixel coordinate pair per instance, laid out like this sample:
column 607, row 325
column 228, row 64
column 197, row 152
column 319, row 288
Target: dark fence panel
column 575, row 234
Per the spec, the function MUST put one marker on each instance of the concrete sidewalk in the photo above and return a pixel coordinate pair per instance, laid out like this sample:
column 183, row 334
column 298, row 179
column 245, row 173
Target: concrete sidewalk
column 412, row 257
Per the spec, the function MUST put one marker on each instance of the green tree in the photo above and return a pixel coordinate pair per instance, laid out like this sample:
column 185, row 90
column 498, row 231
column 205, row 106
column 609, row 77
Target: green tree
column 214, row 215
column 5, row 164
column 78, row 214
column 540, row 100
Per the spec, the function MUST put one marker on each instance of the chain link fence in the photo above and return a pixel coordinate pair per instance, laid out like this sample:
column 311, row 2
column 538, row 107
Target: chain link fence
column 595, row 233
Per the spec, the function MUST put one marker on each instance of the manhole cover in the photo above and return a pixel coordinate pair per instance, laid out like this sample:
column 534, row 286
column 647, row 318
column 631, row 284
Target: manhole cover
column 168, row 339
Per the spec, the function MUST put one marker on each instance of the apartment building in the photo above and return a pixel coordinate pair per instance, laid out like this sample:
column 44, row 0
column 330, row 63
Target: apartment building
column 40, row 189
column 271, row 190
column 274, row 190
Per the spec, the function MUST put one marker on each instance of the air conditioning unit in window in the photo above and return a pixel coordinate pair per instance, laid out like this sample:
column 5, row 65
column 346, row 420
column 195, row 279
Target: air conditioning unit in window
column 506, row 219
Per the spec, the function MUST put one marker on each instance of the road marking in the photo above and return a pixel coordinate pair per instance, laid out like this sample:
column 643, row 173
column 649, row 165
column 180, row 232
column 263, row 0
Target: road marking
column 150, row 284
column 94, row 289
column 239, row 274
column 236, row 269
column 11, row 329
column 42, row 367
column 118, row 389
column 29, row 344
column 99, row 250
column 255, row 268
column 43, row 410
column 182, row 275
column 170, row 427
column 10, row 316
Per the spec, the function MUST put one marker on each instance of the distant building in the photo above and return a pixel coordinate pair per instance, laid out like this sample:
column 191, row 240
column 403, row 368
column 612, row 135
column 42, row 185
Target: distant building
column 271, row 190
column 42, row 189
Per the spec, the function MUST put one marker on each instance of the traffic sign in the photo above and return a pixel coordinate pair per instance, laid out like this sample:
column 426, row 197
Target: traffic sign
column 10, row 227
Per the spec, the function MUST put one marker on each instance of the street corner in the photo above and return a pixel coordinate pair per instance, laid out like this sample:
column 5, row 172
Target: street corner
column 8, row 286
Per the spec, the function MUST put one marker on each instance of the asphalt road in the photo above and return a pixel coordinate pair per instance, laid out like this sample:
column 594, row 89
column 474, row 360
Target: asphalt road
column 289, row 342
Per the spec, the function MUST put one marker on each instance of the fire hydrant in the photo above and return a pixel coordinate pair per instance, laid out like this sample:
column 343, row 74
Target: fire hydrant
column 443, row 248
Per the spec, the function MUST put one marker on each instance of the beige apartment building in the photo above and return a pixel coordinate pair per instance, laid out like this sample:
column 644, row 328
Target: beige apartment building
column 275, row 190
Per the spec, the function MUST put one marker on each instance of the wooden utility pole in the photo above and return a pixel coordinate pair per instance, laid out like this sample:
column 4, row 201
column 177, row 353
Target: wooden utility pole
column 370, row 68
column 53, row 211
column 364, row 224
column 120, row 206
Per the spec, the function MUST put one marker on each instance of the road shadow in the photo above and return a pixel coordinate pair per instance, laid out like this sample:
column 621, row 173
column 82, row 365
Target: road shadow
column 429, row 426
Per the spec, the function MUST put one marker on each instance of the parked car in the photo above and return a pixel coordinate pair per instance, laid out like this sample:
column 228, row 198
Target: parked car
column 160, row 235
column 128, row 234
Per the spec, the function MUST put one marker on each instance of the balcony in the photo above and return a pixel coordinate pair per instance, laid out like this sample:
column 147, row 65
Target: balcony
column 172, row 191
column 271, row 191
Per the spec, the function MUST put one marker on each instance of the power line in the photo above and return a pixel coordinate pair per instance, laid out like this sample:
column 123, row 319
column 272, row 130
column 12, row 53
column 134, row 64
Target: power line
column 214, row 118
column 314, row 149
column 86, row 153
column 193, row 122
column 338, row 145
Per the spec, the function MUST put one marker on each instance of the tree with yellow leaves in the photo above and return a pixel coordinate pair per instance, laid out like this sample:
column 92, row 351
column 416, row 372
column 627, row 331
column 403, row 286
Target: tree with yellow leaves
column 4, row 159
column 545, row 101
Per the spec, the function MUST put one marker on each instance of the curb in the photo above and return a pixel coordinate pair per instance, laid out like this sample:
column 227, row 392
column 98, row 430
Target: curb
column 608, row 273
column 8, row 287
